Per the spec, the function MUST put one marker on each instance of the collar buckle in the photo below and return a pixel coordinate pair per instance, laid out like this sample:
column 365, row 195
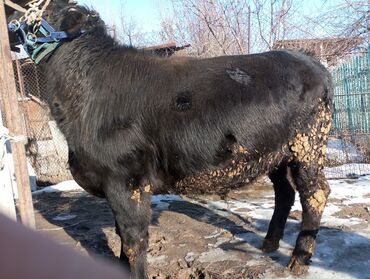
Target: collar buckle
column 38, row 47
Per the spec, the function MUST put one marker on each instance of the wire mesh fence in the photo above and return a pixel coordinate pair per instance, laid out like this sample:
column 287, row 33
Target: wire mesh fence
column 46, row 148
column 350, row 134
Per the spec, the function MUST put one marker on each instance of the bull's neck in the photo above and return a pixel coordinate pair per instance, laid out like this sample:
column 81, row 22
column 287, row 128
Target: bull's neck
column 89, row 50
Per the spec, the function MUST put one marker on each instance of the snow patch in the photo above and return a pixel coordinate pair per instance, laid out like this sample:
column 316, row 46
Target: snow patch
column 162, row 202
column 217, row 255
column 351, row 191
column 341, row 152
column 163, row 259
column 64, row 217
column 64, row 186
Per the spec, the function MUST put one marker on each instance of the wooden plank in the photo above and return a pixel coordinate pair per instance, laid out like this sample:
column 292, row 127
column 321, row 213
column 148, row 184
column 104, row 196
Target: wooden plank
column 14, row 6
column 14, row 124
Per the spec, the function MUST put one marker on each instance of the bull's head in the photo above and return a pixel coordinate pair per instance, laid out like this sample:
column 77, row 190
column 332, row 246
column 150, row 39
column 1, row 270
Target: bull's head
column 75, row 19
column 67, row 23
column 54, row 7
column 12, row 14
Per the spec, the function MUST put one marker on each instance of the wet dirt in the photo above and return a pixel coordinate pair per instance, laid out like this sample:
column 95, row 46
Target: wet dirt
column 360, row 210
column 189, row 238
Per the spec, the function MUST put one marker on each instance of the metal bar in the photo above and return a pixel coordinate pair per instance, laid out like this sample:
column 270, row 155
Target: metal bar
column 13, row 121
column 352, row 94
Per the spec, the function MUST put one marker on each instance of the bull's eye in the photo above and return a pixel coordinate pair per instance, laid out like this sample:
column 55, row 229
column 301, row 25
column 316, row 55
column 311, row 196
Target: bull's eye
column 93, row 14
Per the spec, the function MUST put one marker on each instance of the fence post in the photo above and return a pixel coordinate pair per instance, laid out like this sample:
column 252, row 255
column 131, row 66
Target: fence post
column 13, row 122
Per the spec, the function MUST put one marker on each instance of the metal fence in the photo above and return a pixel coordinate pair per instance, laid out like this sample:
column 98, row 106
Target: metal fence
column 352, row 99
column 46, row 149
column 350, row 134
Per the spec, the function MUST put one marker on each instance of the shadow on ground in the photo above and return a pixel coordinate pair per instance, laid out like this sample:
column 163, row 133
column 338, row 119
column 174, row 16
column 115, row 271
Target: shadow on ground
column 86, row 222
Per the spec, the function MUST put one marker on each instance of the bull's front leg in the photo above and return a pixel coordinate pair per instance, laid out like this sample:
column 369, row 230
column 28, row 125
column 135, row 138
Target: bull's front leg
column 313, row 190
column 132, row 212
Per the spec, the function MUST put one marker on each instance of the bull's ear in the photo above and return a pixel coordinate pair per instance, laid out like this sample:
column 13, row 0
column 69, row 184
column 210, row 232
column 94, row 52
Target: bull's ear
column 72, row 21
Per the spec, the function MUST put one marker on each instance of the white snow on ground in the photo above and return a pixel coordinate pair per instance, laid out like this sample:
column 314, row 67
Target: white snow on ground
column 351, row 191
column 343, row 244
column 64, row 186
column 341, row 152
column 162, row 201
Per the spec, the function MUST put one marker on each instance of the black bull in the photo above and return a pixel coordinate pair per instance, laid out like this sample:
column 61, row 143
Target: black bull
column 137, row 124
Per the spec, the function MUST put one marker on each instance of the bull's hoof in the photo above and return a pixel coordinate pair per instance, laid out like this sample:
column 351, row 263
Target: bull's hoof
column 270, row 245
column 296, row 266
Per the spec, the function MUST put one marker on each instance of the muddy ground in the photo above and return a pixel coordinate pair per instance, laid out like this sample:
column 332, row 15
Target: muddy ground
column 206, row 238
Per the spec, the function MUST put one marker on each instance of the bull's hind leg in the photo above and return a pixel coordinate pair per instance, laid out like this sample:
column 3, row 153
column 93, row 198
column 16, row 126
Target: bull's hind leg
column 132, row 212
column 284, row 199
column 313, row 191
column 309, row 150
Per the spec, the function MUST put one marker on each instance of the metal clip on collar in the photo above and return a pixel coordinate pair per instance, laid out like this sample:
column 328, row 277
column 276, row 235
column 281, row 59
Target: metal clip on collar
column 38, row 47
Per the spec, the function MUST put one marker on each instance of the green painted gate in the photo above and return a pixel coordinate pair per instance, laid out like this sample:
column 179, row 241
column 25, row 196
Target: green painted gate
column 349, row 146
column 352, row 95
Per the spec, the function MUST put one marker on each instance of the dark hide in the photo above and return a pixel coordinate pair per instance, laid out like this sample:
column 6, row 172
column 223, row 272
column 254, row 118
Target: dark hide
column 138, row 124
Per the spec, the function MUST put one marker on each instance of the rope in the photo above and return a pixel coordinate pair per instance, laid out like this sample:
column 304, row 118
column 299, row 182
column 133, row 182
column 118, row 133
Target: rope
column 32, row 15
column 5, row 137
column 19, row 138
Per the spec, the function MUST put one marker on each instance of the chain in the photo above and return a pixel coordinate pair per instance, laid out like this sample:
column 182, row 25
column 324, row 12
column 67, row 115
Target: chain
column 34, row 13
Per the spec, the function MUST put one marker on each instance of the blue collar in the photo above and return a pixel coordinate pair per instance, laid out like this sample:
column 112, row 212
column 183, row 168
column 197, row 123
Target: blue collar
column 40, row 47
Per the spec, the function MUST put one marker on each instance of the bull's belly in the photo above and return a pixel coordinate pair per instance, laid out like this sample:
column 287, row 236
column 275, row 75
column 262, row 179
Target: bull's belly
column 237, row 173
